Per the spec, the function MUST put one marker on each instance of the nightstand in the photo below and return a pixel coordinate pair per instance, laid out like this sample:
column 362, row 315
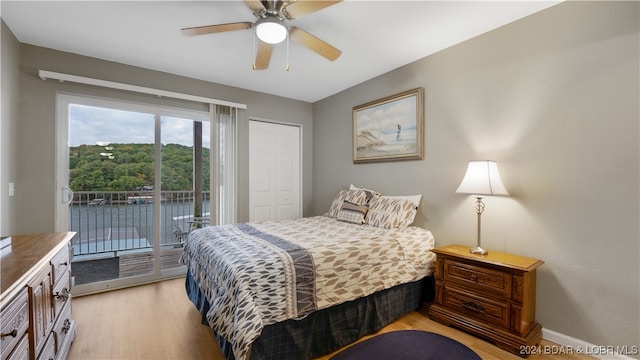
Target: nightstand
column 492, row 296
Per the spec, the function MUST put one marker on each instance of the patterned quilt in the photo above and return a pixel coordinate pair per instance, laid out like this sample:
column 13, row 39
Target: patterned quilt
column 257, row 274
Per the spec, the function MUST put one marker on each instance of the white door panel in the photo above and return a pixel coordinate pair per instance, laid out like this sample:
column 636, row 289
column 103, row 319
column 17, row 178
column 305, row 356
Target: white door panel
column 274, row 171
column 261, row 213
column 285, row 212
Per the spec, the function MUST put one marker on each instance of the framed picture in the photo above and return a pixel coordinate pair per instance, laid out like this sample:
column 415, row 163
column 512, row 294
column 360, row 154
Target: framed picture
column 389, row 129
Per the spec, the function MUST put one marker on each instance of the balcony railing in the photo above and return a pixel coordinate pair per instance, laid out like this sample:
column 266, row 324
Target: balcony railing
column 113, row 223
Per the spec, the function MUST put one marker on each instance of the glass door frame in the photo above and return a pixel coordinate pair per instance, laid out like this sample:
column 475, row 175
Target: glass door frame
column 64, row 194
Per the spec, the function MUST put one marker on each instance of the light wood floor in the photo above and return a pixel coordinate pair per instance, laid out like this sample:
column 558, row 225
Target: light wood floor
column 157, row 321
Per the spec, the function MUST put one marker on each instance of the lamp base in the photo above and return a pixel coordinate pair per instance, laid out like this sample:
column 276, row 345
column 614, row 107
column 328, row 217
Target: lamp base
column 478, row 250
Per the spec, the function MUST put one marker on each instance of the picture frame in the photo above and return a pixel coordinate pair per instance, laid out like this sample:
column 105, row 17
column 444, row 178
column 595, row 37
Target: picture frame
column 389, row 129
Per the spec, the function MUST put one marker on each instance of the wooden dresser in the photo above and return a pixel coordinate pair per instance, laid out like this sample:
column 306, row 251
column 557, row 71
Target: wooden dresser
column 492, row 296
column 35, row 305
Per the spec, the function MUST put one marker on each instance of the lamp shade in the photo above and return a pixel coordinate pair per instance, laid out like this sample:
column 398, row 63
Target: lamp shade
column 271, row 30
column 482, row 178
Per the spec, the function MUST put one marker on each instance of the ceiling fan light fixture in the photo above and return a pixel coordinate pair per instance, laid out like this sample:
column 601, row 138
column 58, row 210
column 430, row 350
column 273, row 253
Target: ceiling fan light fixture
column 271, row 30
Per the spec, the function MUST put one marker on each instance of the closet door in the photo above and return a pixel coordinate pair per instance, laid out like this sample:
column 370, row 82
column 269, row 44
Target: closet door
column 275, row 185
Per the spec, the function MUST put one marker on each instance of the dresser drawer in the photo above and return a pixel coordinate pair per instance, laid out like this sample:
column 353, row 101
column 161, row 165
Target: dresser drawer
column 60, row 265
column 14, row 322
column 61, row 294
column 478, row 278
column 21, row 352
column 481, row 308
column 49, row 350
column 64, row 330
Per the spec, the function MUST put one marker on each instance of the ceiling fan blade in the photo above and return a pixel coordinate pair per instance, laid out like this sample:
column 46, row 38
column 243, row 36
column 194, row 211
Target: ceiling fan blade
column 313, row 43
column 254, row 5
column 210, row 29
column 263, row 57
column 304, row 7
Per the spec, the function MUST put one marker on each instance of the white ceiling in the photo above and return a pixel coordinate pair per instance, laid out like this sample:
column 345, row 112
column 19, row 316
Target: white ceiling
column 374, row 36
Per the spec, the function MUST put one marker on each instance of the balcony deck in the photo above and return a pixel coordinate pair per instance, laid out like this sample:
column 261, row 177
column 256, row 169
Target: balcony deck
column 122, row 266
column 116, row 232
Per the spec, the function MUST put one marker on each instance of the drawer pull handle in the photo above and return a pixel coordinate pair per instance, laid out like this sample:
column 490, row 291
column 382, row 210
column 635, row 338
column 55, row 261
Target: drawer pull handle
column 63, row 295
column 472, row 306
column 13, row 333
column 66, row 327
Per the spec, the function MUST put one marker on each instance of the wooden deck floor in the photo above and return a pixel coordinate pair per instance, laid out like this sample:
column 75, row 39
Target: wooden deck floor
column 125, row 265
column 143, row 263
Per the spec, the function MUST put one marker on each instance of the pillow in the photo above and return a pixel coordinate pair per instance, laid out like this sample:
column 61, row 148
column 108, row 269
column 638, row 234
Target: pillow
column 353, row 187
column 415, row 199
column 390, row 212
column 359, row 197
column 352, row 213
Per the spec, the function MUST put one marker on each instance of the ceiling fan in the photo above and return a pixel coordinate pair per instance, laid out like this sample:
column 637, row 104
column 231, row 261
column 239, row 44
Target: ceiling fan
column 271, row 27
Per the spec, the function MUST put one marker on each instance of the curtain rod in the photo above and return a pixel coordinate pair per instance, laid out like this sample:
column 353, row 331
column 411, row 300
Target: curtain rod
column 44, row 75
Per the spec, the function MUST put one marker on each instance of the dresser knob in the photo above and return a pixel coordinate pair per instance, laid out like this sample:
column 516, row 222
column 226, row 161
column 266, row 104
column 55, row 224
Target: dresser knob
column 13, row 333
column 63, row 295
column 66, row 326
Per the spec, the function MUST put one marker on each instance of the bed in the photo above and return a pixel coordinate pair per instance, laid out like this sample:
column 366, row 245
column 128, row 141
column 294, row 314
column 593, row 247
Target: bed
column 298, row 289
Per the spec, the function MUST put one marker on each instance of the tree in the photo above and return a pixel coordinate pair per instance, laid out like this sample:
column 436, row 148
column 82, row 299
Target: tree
column 132, row 167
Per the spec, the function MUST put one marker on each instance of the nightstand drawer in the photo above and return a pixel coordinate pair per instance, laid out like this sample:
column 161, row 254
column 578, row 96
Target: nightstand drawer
column 478, row 278
column 491, row 295
column 483, row 309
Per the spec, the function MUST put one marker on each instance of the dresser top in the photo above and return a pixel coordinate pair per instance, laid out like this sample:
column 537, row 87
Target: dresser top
column 516, row 262
column 27, row 255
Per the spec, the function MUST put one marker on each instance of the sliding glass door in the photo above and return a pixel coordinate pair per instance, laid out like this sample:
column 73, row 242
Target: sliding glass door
column 133, row 181
column 185, row 183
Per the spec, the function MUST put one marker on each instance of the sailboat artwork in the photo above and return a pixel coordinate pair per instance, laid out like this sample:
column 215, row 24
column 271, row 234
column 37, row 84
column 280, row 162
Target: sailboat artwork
column 389, row 129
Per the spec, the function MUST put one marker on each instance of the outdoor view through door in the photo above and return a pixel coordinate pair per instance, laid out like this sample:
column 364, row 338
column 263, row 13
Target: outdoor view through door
column 140, row 181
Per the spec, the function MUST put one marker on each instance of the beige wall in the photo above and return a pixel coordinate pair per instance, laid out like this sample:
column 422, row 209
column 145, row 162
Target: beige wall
column 554, row 99
column 35, row 183
column 8, row 127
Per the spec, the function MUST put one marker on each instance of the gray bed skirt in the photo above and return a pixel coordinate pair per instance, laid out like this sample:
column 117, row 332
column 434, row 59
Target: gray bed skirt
column 326, row 330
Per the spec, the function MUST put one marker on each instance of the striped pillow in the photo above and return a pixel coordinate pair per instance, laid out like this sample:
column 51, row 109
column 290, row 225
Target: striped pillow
column 359, row 197
column 352, row 213
column 391, row 212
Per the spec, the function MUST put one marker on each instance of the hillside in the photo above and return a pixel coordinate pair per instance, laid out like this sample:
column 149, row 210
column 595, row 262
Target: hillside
column 131, row 166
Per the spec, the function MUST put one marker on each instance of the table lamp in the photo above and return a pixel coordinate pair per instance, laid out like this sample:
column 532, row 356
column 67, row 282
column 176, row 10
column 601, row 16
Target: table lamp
column 482, row 178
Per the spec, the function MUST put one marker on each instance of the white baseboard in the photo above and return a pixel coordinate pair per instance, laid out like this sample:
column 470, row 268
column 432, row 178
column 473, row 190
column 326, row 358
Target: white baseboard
column 569, row 345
